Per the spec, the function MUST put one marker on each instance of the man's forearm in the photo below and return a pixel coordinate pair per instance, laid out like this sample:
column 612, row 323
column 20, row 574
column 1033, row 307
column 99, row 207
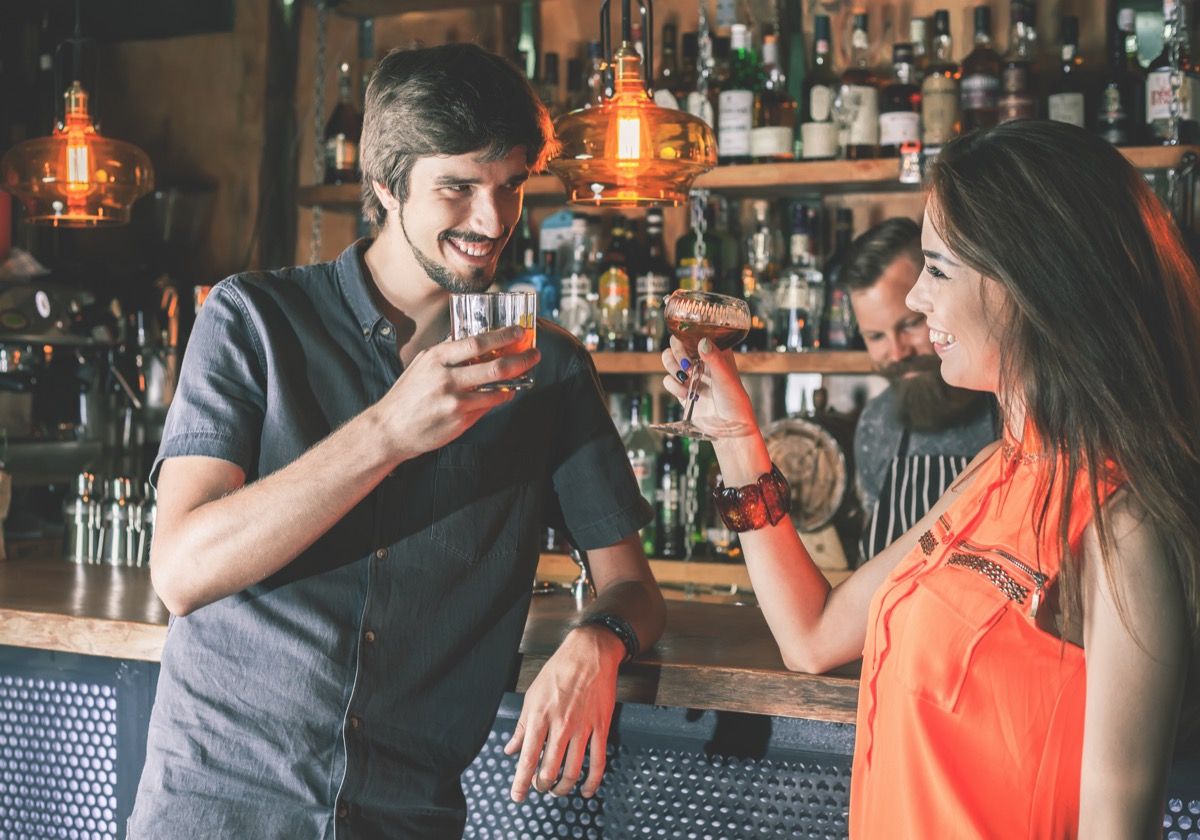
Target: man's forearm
column 255, row 531
column 639, row 602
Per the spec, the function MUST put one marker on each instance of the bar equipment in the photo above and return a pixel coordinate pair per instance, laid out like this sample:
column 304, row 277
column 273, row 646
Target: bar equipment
column 81, row 514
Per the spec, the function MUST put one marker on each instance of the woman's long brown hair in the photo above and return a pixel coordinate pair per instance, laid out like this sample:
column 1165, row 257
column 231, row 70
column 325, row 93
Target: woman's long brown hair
column 1102, row 343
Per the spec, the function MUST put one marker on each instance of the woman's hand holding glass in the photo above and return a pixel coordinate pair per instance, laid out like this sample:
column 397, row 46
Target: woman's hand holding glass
column 721, row 401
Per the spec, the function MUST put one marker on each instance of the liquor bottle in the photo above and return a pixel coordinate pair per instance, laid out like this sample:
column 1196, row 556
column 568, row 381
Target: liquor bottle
column 614, row 290
column 795, row 60
column 918, row 36
column 838, row 328
column 735, row 103
column 1016, row 100
column 939, row 90
column 899, row 105
column 643, row 448
column 342, row 133
column 688, row 75
column 1123, row 89
column 671, row 480
column 859, row 93
column 1067, row 101
column 576, row 311
column 774, row 110
column 758, row 280
column 667, row 82
column 652, row 285
column 527, row 39
column 597, row 72
column 728, row 277
column 818, row 130
column 548, row 85
column 704, row 105
column 576, row 90
column 800, row 298
column 1158, row 81
column 691, row 275
column 980, row 86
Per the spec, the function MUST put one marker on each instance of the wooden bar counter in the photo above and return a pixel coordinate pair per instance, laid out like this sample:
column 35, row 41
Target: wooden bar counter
column 712, row 656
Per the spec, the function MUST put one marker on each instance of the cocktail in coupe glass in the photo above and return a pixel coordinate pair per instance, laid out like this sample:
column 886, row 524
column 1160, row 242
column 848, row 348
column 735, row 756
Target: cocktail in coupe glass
column 472, row 314
column 691, row 316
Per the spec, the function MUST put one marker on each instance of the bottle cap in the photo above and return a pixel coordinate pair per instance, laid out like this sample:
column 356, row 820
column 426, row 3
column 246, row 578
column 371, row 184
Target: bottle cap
column 821, row 28
column 941, row 22
column 860, row 21
column 902, row 53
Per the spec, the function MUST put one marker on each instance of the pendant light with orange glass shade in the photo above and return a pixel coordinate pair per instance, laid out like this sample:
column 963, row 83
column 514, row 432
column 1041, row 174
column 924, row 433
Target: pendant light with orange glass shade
column 626, row 151
column 76, row 177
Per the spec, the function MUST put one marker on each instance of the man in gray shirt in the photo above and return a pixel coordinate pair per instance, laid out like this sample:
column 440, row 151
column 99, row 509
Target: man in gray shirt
column 913, row 439
column 348, row 530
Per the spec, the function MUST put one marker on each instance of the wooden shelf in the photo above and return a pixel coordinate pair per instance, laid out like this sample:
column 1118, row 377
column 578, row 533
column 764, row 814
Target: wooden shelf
column 559, row 568
column 383, row 8
column 821, row 361
column 835, row 176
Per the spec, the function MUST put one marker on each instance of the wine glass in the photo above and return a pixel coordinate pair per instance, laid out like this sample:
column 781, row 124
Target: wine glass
column 692, row 316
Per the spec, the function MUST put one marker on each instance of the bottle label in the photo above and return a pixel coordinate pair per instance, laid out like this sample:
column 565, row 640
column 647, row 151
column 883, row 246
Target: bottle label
column 1068, row 108
column 771, row 142
column 1014, row 79
column 1112, row 109
column 1158, row 96
column 614, row 289
column 819, row 140
column 899, row 127
column 980, row 92
column 653, row 287
column 663, row 98
column 1017, row 106
column 863, row 102
column 691, row 278
column 341, row 154
column 820, row 104
column 699, row 105
column 734, row 122
column 939, row 109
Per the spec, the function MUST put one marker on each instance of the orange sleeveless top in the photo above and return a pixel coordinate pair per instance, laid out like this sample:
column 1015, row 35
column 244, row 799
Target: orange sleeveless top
column 970, row 717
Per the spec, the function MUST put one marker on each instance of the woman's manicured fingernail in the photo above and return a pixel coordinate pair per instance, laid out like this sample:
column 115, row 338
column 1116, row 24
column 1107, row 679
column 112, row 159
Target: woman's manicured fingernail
column 681, row 376
column 705, row 345
column 685, row 363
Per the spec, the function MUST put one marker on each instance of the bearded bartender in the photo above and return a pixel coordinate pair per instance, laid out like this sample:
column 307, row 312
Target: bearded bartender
column 915, row 437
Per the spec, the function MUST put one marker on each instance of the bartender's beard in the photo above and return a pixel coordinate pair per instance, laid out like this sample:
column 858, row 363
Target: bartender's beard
column 477, row 281
column 924, row 402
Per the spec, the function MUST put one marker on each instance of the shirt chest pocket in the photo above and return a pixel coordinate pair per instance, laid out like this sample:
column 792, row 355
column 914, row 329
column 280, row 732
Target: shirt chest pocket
column 479, row 501
column 947, row 617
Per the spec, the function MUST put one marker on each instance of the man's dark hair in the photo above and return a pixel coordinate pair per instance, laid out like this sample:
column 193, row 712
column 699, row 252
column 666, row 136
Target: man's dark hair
column 447, row 100
column 870, row 254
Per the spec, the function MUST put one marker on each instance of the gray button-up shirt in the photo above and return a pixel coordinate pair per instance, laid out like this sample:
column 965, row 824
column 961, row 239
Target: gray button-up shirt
column 343, row 696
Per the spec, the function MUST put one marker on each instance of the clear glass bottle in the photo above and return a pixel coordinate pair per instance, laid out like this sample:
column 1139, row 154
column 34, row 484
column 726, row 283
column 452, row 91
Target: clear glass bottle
column 800, row 297
column 576, row 309
column 1016, row 100
column 980, row 85
column 939, row 90
column 900, row 105
column 818, row 128
column 771, row 138
column 758, row 279
column 859, row 97
column 652, row 285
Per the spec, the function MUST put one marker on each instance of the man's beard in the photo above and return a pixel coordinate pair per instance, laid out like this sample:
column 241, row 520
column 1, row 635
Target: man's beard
column 924, row 402
column 479, row 278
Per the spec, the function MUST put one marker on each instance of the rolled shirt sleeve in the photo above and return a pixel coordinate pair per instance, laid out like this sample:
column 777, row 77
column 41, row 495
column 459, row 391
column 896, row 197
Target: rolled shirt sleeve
column 218, row 408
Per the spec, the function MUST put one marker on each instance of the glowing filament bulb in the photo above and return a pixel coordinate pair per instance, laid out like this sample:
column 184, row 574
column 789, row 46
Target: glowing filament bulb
column 629, row 138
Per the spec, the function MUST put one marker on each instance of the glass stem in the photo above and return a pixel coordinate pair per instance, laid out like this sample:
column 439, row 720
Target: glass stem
column 693, row 393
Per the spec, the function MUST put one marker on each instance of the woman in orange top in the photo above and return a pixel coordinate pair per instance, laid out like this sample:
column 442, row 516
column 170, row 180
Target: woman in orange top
column 1027, row 648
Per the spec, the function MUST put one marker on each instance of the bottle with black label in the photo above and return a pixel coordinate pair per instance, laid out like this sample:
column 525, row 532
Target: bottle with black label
column 980, row 85
column 670, row 531
column 342, row 133
column 1067, row 101
column 1121, row 102
column 818, row 130
column 859, row 94
column 900, row 105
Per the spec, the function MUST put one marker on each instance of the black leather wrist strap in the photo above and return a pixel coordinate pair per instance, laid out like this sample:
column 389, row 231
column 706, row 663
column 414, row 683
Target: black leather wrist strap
column 620, row 628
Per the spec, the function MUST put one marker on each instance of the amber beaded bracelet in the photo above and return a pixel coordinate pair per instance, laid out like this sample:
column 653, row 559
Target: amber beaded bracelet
column 753, row 506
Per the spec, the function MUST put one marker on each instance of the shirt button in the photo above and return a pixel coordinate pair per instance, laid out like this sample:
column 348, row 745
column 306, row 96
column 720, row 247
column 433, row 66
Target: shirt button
column 355, row 721
column 369, row 635
column 381, row 553
column 386, row 330
column 366, row 329
column 343, row 810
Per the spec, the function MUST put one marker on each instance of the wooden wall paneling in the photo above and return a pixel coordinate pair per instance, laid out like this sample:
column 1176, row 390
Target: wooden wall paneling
column 195, row 104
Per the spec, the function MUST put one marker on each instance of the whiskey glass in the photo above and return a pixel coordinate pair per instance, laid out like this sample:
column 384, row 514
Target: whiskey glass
column 472, row 314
